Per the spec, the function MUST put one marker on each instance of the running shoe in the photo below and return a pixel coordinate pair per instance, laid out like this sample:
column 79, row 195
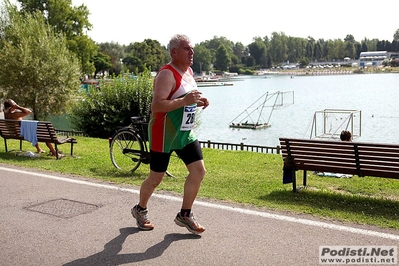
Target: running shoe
column 190, row 223
column 141, row 219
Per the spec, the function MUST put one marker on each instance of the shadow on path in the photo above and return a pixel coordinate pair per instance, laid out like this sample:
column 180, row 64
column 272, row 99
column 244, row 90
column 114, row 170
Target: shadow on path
column 110, row 255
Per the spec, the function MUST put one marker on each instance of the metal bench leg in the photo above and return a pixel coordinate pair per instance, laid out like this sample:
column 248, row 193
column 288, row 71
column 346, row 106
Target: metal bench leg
column 5, row 144
column 304, row 178
column 294, row 189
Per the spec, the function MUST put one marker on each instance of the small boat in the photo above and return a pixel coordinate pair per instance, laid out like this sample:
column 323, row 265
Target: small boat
column 249, row 125
column 213, row 84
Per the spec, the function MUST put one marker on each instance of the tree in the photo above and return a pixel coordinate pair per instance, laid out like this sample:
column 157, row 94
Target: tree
column 278, row 47
column 202, row 59
column 149, row 52
column 257, row 50
column 350, row 48
column 295, row 49
column 363, row 47
column 303, row 62
column 38, row 70
column 134, row 63
column 250, row 61
column 116, row 52
column 310, row 48
column 222, row 61
column 396, row 36
column 318, row 51
column 102, row 62
column 214, row 44
column 73, row 22
column 85, row 50
column 239, row 51
column 395, row 46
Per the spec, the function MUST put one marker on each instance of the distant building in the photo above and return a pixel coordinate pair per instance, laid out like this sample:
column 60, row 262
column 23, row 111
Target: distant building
column 373, row 58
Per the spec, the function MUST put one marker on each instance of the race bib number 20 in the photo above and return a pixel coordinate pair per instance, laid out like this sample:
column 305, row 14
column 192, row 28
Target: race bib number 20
column 188, row 118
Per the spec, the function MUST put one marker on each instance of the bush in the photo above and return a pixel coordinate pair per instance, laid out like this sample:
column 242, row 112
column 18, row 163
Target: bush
column 102, row 110
column 304, row 62
column 246, row 71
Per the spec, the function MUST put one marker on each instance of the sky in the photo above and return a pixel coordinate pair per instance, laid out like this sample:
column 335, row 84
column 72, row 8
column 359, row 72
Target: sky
column 129, row 21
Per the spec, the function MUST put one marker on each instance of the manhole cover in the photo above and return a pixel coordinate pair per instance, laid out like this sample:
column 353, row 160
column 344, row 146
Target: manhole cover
column 63, row 208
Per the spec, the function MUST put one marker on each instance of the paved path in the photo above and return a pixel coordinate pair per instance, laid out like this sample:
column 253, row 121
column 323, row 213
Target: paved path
column 53, row 219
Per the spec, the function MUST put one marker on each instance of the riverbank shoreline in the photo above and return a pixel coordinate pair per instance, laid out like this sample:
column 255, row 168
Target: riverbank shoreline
column 331, row 71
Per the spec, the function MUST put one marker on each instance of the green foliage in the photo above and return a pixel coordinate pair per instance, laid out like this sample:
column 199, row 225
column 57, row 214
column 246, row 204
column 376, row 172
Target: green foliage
column 222, row 60
column 38, row 70
column 85, row 50
column 102, row 62
column 250, row 61
column 149, row 53
column 134, row 63
column 304, row 62
column 246, row 71
column 60, row 14
column 396, row 35
column 202, row 59
column 70, row 21
column 116, row 52
column 103, row 110
column 257, row 49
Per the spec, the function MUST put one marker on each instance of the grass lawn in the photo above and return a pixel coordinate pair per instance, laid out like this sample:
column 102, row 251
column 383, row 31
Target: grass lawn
column 237, row 177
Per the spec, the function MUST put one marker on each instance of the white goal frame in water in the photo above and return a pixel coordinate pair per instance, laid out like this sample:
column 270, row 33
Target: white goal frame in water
column 329, row 123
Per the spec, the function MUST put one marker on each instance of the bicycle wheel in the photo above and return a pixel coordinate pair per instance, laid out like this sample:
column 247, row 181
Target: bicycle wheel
column 126, row 150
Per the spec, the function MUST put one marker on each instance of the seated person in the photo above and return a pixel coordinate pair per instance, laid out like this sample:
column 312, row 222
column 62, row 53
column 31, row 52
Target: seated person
column 13, row 111
column 346, row 135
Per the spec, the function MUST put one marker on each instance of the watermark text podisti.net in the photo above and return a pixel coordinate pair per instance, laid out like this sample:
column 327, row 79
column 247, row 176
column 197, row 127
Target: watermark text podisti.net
column 358, row 255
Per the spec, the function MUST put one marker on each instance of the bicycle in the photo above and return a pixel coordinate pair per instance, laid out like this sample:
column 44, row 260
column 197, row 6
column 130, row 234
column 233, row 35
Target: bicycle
column 128, row 146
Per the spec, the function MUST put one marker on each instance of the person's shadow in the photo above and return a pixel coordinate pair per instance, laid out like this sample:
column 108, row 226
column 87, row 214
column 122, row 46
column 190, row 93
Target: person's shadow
column 110, row 256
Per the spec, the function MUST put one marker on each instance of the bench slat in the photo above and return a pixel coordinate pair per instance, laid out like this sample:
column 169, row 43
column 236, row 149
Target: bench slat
column 302, row 164
column 320, row 154
column 381, row 173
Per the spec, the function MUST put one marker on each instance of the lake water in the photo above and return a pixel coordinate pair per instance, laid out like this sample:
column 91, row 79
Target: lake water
column 376, row 96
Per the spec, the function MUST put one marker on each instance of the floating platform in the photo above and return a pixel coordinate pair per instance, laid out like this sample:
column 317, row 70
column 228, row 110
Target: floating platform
column 249, row 125
column 254, row 115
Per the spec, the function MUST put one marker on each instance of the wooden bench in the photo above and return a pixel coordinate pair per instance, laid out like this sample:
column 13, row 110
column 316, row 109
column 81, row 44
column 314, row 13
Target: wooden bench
column 11, row 129
column 354, row 158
